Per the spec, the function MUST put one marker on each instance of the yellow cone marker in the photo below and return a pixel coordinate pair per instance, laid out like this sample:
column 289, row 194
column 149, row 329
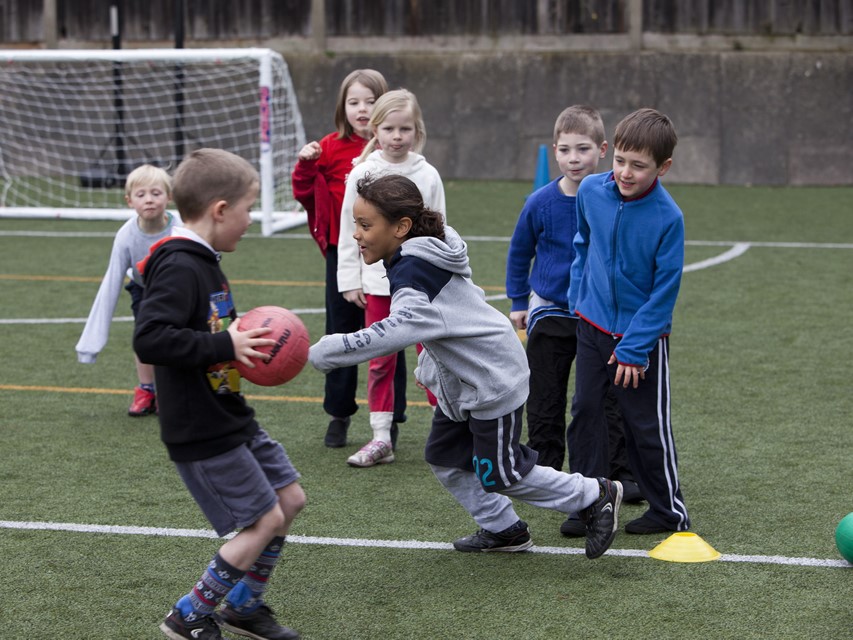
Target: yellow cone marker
column 684, row 547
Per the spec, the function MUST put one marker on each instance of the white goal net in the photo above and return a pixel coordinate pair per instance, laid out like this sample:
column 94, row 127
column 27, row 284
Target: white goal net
column 74, row 123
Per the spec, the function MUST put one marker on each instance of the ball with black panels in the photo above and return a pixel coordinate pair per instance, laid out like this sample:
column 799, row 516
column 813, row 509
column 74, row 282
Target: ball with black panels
column 286, row 358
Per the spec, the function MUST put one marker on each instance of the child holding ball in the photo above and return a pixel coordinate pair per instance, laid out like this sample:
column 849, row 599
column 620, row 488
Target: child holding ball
column 148, row 190
column 240, row 477
column 475, row 365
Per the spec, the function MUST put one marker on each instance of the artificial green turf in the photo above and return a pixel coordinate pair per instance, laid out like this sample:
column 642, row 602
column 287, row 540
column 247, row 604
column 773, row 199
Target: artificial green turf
column 761, row 405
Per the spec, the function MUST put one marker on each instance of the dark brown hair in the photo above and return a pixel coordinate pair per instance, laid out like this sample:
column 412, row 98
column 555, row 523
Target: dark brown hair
column 396, row 197
column 649, row 131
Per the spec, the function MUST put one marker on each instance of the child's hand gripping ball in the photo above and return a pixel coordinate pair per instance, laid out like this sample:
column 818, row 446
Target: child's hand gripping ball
column 286, row 357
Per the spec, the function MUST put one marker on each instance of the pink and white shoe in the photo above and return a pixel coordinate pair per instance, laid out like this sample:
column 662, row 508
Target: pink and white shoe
column 373, row 453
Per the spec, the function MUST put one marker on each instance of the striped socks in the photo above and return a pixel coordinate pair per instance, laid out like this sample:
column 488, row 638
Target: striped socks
column 247, row 595
column 219, row 578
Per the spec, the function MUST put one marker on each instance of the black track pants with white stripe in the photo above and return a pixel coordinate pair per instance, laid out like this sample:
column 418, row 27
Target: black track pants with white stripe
column 646, row 415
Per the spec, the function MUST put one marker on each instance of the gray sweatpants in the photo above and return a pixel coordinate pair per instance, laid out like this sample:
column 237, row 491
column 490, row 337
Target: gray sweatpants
column 542, row 487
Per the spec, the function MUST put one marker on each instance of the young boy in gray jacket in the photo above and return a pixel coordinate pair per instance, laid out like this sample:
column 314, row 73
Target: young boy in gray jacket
column 474, row 364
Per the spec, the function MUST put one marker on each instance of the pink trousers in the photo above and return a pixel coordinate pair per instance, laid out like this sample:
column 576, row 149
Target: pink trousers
column 380, row 373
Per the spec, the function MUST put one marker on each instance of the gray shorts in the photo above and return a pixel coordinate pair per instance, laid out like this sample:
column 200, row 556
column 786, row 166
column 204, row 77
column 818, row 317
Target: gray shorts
column 235, row 488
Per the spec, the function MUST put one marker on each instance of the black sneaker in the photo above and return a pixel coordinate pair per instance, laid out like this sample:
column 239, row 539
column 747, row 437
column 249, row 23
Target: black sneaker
column 573, row 528
column 645, row 525
column 602, row 517
column 176, row 628
column 336, row 434
column 631, row 493
column 510, row 540
column 260, row 624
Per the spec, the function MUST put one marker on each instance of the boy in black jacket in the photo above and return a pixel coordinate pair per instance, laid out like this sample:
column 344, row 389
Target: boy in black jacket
column 188, row 329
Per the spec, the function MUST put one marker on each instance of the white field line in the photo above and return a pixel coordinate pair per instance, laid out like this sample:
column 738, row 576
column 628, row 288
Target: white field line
column 504, row 239
column 300, row 312
column 111, row 234
column 389, row 544
column 738, row 250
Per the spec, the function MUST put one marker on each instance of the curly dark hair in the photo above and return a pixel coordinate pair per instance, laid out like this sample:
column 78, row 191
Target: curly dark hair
column 397, row 197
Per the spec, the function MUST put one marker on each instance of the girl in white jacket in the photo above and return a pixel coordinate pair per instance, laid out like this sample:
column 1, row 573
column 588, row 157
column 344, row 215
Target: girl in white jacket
column 398, row 137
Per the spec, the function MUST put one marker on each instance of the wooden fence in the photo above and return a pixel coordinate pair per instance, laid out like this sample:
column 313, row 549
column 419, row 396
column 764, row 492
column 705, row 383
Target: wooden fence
column 22, row 22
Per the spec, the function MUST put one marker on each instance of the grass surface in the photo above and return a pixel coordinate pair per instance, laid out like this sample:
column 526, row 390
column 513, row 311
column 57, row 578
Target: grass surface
column 761, row 413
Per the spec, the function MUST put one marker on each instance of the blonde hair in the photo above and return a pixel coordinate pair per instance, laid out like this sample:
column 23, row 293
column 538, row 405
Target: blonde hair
column 369, row 78
column 582, row 120
column 396, row 100
column 208, row 175
column 148, row 174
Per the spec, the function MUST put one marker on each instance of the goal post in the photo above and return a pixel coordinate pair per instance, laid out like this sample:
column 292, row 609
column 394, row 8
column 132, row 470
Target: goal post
column 74, row 123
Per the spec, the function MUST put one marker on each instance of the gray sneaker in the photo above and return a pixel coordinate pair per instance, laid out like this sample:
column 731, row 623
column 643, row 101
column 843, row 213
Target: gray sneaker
column 510, row 540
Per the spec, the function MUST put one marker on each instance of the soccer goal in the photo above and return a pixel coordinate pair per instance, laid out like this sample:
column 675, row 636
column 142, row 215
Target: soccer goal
column 74, row 123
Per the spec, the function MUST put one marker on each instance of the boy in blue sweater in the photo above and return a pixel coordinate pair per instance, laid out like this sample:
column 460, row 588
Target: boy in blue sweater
column 537, row 281
column 624, row 282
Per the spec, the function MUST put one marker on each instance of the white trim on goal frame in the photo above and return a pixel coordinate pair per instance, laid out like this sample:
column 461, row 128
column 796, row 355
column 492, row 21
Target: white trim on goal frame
column 271, row 220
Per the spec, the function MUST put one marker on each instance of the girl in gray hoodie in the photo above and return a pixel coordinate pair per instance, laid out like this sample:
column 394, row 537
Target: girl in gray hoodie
column 475, row 365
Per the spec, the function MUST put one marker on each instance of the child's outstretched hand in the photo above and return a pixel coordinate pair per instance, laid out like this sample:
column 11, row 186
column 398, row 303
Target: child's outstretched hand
column 246, row 341
column 627, row 374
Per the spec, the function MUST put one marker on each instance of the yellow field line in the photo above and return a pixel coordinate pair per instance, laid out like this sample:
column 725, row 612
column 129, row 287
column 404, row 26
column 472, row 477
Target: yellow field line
column 125, row 392
column 270, row 283
column 12, row 276
column 280, row 283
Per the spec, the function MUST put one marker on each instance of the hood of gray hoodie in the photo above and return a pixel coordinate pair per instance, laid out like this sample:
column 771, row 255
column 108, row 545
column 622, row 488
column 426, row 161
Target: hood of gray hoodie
column 450, row 254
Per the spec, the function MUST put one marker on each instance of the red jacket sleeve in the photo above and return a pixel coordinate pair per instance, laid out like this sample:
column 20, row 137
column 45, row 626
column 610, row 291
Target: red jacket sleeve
column 312, row 192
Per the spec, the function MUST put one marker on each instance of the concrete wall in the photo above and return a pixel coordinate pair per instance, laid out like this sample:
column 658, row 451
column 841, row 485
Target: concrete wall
column 742, row 118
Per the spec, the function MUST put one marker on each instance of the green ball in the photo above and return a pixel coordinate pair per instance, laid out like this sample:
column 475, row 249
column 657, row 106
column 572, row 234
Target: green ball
column 844, row 537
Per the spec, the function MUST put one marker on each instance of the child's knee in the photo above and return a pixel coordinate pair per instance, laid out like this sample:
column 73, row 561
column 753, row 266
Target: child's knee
column 272, row 521
column 292, row 500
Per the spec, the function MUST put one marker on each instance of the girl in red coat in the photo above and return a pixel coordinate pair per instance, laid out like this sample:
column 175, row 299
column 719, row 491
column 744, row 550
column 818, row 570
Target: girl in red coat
column 319, row 181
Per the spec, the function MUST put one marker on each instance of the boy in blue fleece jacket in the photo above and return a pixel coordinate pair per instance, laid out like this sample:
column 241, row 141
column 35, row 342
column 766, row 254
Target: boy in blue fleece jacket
column 629, row 255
